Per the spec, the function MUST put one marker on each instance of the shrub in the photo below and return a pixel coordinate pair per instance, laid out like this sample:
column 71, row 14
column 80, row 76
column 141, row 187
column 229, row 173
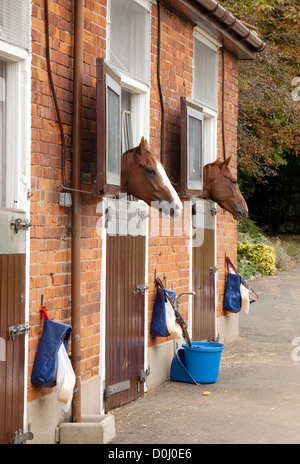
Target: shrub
column 258, row 254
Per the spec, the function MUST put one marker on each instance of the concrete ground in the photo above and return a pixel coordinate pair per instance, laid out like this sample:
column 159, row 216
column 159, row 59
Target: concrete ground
column 257, row 396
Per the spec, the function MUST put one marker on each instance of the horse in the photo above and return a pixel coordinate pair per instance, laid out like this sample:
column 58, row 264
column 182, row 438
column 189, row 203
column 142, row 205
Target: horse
column 144, row 177
column 219, row 185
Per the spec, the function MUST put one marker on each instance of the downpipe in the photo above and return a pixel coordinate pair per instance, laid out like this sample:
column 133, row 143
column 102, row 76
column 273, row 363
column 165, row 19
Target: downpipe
column 76, row 209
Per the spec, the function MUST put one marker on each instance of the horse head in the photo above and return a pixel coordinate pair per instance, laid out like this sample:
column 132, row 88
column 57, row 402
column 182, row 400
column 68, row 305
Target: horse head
column 220, row 186
column 144, row 177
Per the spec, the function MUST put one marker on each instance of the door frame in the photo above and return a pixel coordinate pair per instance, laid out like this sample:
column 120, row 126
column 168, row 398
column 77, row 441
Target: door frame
column 23, row 58
column 101, row 209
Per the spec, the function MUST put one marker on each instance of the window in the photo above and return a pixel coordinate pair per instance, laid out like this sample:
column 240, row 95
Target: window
column 108, row 129
column 129, row 38
column 14, row 103
column 122, row 89
column 191, row 148
column 15, row 22
column 205, row 73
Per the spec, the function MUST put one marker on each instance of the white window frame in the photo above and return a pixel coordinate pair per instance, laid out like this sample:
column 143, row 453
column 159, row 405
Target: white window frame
column 18, row 126
column 140, row 103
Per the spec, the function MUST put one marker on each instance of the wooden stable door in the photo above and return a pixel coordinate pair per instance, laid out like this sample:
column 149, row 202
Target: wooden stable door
column 125, row 304
column 12, row 327
column 204, row 269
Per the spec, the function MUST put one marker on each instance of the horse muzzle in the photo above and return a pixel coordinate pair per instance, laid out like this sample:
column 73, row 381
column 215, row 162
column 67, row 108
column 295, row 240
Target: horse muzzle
column 240, row 213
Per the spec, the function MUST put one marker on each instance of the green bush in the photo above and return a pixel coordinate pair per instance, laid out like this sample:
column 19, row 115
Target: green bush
column 286, row 252
column 260, row 255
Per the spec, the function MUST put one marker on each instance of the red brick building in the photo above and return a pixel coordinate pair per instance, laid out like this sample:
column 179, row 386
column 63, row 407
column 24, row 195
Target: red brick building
column 190, row 48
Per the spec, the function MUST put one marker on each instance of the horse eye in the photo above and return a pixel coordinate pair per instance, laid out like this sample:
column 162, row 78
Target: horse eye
column 233, row 181
column 151, row 171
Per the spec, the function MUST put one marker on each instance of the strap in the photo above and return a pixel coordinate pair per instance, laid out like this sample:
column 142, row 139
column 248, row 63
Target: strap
column 230, row 264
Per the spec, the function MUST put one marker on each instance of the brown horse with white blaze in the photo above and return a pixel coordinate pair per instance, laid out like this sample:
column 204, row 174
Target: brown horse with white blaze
column 144, row 177
column 220, row 185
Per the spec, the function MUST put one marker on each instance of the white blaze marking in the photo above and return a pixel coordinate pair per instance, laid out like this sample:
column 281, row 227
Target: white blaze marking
column 168, row 184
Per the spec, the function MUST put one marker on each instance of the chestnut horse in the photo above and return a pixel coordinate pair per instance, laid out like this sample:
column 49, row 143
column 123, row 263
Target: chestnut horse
column 144, row 177
column 220, row 186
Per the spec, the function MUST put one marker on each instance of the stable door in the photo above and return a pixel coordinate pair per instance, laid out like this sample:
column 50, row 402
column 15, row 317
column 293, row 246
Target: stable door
column 204, row 270
column 126, row 225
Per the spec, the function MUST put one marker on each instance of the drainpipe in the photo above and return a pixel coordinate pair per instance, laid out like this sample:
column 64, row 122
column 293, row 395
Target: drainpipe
column 76, row 209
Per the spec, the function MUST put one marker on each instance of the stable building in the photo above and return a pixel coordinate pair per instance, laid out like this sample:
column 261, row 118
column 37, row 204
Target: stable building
column 80, row 83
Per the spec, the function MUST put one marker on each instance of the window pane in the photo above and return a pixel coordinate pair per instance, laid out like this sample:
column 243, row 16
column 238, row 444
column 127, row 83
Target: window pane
column 2, row 133
column 113, row 137
column 194, row 152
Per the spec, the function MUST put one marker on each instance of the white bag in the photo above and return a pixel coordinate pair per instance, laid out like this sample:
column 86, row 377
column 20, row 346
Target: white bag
column 65, row 379
column 245, row 299
column 173, row 328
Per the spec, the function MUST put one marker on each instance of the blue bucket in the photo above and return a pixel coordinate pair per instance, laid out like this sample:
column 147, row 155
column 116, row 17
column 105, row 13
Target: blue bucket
column 202, row 361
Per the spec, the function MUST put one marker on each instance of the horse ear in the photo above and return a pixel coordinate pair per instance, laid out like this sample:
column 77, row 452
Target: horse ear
column 144, row 144
column 226, row 162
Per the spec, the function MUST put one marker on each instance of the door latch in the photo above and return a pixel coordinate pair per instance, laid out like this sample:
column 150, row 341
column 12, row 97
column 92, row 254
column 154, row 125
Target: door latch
column 141, row 288
column 213, row 269
column 21, row 437
column 16, row 330
column 19, row 224
column 143, row 376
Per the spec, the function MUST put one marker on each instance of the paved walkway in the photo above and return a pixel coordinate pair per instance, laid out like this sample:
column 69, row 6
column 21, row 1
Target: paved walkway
column 257, row 396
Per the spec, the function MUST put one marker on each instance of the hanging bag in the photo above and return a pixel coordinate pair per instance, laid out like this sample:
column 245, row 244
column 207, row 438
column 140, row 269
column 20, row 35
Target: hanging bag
column 248, row 295
column 44, row 373
column 232, row 296
column 159, row 317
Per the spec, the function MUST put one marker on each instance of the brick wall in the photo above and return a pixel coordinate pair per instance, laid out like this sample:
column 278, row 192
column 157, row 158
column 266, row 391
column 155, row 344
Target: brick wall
column 50, row 234
column 226, row 225
column 168, row 252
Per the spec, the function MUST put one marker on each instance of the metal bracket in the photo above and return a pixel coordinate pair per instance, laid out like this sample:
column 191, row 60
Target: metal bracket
column 144, row 374
column 19, row 224
column 142, row 215
column 116, row 388
column 16, row 330
column 141, row 288
column 213, row 269
column 21, row 437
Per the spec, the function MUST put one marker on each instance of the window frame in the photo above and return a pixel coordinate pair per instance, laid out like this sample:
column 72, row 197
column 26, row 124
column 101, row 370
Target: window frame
column 18, row 128
column 106, row 77
column 189, row 109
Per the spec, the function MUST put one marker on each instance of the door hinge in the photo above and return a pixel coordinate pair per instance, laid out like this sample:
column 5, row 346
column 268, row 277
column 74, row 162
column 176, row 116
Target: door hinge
column 19, row 224
column 141, row 288
column 16, row 330
column 21, row 437
column 213, row 269
column 116, row 388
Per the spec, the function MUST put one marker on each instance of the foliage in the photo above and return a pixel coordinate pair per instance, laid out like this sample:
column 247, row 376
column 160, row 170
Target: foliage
column 253, row 244
column 269, row 118
column 261, row 255
column 275, row 205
